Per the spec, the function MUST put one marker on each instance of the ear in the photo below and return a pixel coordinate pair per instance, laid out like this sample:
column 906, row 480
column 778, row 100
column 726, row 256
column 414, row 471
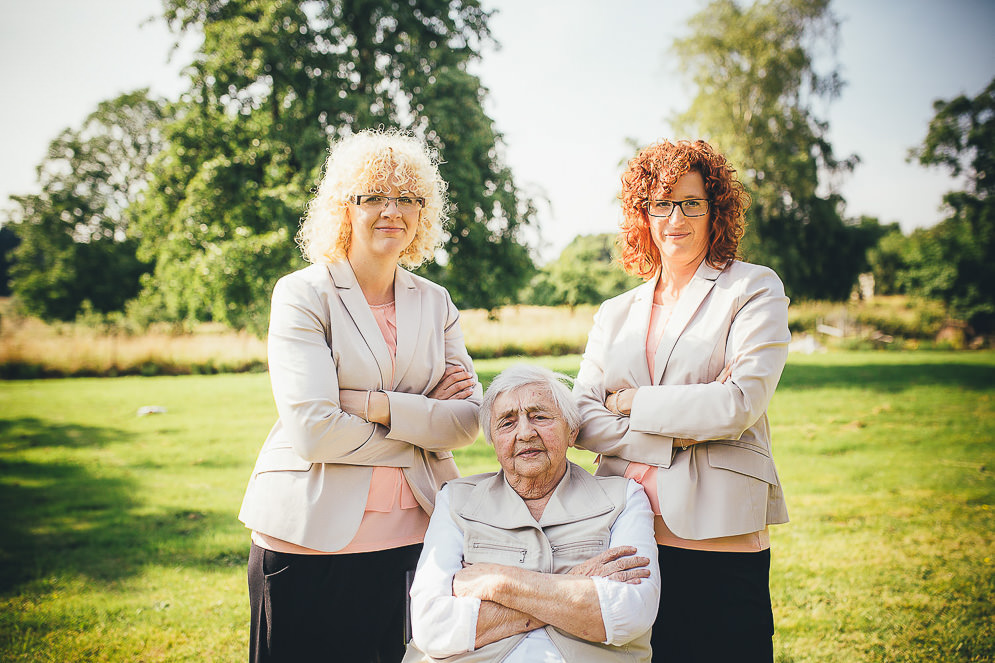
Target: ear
column 573, row 437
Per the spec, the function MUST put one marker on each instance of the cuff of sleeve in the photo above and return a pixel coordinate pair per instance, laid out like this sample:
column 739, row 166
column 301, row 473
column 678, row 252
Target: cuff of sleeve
column 609, row 608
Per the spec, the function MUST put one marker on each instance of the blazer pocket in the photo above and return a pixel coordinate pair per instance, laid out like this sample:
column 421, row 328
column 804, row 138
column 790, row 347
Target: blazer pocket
column 741, row 459
column 281, row 459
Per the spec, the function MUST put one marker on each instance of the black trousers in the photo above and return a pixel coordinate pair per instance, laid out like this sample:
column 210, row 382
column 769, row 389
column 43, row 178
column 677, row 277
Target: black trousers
column 328, row 607
column 714, row 607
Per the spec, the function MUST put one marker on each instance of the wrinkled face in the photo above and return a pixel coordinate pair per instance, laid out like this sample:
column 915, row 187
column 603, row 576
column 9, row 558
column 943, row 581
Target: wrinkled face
column 382, row 231
column 530, row 437
column 681, row 240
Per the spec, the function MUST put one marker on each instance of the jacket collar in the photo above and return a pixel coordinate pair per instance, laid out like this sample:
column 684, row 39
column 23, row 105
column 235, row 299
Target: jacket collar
column 691, row 299
column 577, row 497
column 407, row 306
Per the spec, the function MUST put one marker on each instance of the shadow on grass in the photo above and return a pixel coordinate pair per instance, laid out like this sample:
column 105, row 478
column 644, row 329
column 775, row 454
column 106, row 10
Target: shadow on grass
column 888, row 378
column 63, row 520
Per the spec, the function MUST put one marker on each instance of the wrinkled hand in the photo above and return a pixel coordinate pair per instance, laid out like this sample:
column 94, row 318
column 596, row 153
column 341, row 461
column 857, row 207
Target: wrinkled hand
column 620, row 564
column 455, row 383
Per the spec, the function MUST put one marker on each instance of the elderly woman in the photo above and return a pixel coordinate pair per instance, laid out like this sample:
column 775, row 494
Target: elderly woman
column 374, row 388
column 673, row 389
column 540, row 561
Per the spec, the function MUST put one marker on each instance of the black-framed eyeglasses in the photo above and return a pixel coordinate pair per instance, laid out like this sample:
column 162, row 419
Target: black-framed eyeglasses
column 691, row 207
column 376, row 202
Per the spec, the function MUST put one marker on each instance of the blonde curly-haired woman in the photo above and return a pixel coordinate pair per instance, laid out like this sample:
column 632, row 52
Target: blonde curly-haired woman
column 374, row 388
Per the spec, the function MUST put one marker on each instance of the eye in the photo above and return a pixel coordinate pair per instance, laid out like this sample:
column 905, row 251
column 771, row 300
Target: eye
column 373, row 200
column 693, row 205
column 405, row 200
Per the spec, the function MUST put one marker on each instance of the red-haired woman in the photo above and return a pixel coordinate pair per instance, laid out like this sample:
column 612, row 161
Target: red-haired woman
column 674, row 388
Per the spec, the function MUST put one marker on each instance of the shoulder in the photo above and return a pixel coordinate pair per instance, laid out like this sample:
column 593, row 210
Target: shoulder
column 303, row 282
column 422, row 284
column 471, row 480
column 750, row 277
column 312, row 275
column 623, row 301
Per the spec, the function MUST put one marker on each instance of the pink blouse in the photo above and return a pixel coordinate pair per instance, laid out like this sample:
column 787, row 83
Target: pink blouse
column 393, row 517
column 645, row 475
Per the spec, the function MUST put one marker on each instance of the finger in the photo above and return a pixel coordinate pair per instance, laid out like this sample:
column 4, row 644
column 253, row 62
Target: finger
column 631, row 562
column 612, row 554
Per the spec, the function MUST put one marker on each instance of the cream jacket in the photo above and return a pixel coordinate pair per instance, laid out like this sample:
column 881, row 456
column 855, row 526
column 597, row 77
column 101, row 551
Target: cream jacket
column 311, row 479
column 729, row 484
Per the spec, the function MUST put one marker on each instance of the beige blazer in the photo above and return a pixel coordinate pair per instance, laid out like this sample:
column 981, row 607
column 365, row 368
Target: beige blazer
column 311, row 479
column 729, row 484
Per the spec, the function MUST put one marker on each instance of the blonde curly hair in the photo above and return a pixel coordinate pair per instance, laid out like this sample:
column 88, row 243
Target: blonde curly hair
column 368, row 162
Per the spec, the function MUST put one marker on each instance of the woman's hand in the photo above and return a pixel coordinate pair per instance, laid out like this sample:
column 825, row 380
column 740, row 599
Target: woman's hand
column 373, row 406
column 620, row 402
column 619, row 564
column 456, row 382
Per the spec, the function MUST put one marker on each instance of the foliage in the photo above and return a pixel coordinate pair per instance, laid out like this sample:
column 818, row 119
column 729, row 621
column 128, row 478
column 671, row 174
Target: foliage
column 8, row 242
column 585, row 273
column 120, row 542
column 74, row 246
column 954, row 261
column 273, row 81
column 757, row 88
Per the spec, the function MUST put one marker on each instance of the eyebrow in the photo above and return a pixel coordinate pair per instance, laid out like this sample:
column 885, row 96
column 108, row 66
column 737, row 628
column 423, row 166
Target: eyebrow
column 529, row 409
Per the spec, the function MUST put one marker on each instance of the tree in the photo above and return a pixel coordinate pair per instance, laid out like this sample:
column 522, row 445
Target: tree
column 74, row 244
column 954, row 261
column 8, row 242
column 756, row 90
column 586, row 272
column 273, row 81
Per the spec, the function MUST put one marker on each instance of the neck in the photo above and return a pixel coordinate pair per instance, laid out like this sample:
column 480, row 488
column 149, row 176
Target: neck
column 375, row 278
column 673, row 279
column 536, row 493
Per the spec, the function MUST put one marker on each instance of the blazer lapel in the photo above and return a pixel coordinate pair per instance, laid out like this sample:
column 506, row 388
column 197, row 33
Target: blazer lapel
column 689, row 303
column 407, row 306
column 351, row 296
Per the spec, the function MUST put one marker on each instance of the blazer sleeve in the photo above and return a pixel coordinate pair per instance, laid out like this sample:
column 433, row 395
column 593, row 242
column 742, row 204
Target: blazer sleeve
column 306, row 390
column 439, row 425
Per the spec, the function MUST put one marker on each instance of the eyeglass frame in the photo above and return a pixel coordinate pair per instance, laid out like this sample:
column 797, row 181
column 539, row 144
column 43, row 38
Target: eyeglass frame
column 678, row 203
column 358, row 199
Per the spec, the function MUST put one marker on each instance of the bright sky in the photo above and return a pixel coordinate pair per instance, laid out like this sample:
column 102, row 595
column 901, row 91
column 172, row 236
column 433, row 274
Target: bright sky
column 571, row 82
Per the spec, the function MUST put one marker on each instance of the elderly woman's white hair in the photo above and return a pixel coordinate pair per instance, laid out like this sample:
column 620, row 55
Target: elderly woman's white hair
column 522, row 375
column 368, row 162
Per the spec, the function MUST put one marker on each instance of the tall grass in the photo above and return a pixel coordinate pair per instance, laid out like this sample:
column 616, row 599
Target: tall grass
column 119, row 540
column 93, row 347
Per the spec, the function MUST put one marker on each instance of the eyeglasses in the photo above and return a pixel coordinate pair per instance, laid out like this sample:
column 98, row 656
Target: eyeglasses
column 376, row 202
column 691, row 207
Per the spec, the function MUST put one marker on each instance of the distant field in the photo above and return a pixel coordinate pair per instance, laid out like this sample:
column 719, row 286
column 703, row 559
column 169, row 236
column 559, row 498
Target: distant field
column 119, row 540
column 30, row 348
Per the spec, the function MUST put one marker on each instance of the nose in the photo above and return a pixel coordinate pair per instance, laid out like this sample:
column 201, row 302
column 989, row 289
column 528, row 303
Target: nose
column 524, row 430
column 390, row 208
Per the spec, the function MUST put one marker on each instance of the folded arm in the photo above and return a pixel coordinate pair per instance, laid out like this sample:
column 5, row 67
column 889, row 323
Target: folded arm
column 326, row 426
column 646, row 420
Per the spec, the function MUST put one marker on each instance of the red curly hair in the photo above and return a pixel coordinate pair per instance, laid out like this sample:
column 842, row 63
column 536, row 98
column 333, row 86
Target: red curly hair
column 661, row 165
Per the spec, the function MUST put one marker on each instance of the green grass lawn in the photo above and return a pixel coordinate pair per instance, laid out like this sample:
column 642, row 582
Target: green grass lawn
column 119, row 542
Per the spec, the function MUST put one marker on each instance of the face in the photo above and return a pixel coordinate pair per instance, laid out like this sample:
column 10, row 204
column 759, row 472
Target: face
column 681, row 240
column 382, row 232
column 531, row 439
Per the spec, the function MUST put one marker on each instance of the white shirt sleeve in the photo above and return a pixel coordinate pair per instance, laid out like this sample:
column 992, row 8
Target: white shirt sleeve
column 630, row 610
column 442, row 624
